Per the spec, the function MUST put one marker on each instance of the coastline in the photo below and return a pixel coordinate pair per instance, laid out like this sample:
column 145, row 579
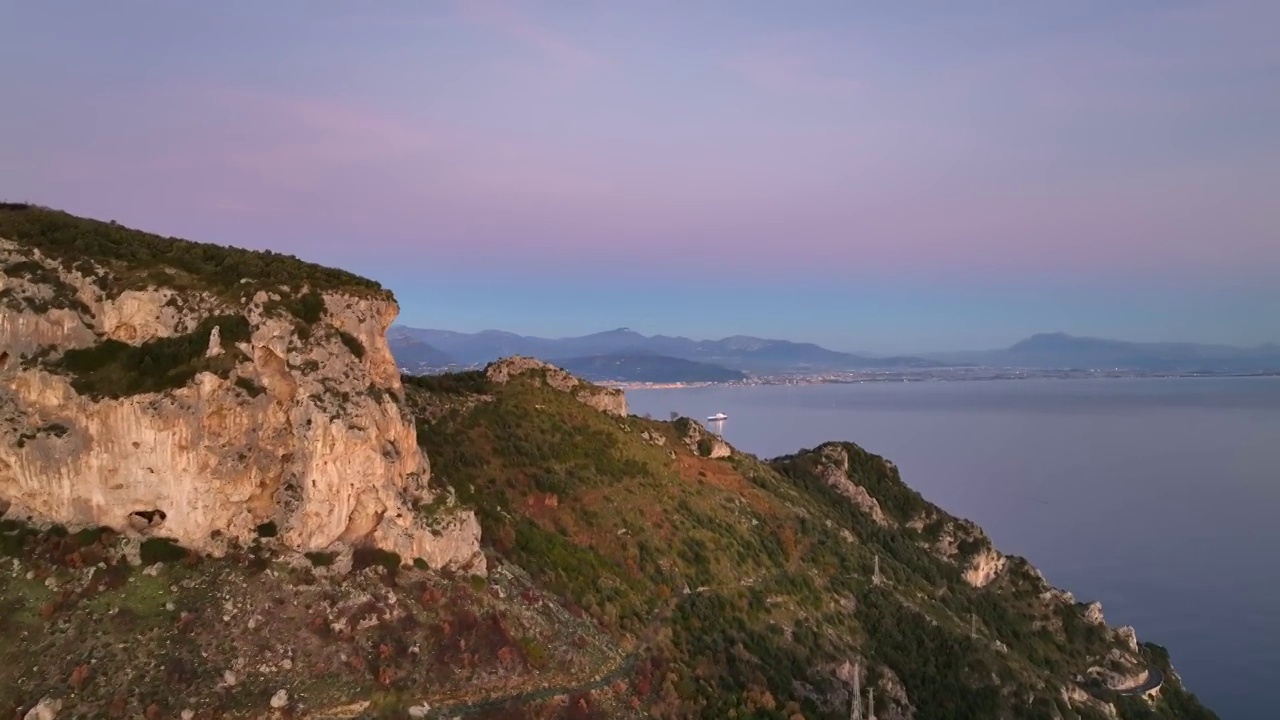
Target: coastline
column 933, row 375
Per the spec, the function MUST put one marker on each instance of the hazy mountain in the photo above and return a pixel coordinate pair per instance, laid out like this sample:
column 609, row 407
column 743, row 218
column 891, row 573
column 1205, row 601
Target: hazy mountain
column 646, row 368
column 740, row 352
column 416, row 356
column 1059, row 350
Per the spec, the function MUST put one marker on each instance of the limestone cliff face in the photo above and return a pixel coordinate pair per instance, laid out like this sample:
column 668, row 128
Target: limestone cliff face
column 303, row 426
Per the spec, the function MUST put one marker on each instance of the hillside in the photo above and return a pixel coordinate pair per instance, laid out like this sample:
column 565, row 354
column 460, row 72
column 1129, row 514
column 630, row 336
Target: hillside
column 215, row 503
column 745, row 586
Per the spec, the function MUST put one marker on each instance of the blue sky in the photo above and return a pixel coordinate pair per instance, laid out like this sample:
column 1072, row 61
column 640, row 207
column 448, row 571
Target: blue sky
column 875, row 177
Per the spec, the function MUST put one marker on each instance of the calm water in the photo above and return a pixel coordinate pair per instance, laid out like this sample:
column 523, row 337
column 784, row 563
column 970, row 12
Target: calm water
column 1159, row 497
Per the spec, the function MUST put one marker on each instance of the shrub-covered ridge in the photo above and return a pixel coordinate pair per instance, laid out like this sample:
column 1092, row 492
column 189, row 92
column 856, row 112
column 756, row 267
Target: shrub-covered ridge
column 751, row 588
column 133, row 259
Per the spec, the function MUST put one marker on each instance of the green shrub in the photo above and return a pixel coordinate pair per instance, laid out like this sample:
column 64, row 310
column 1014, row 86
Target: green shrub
column 352, row 342
column 310, row 308
column 368, row 556
column 14, row 536
column 116, row 369
column 91, row 536
column 160, row 550
column 268, row 529
column 470, row 382
column 534, row 653
column 321, row 559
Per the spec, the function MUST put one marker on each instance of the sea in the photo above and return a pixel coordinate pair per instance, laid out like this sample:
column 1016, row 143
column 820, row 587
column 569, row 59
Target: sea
column 1159, row 497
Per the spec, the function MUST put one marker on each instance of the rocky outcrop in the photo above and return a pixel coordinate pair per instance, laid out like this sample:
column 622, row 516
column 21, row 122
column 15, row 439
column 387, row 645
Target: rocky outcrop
column 1093, row 613
column 962, row 542
column 302, row 429
column 834, row 471
column 1074, row 695
column 893, row 701
column 1128, row 637
column 985, row 567
column 701, row 441
column 607, row 400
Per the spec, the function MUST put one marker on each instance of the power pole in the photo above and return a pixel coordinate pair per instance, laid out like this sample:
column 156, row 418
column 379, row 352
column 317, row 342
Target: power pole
column 855, row 710
column 875, row 579
column 871, row 703
column 973, row 626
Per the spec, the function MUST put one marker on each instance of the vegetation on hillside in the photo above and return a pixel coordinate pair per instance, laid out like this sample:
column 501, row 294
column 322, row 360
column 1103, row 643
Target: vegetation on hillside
column 133, row 259
column 222, row 636
column 660, row 583
column 742, row 585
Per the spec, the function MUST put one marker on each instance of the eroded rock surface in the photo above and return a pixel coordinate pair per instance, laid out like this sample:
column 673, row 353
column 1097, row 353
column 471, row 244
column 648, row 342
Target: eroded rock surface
column 834, row 471
column 702, row 441
column 305, row 431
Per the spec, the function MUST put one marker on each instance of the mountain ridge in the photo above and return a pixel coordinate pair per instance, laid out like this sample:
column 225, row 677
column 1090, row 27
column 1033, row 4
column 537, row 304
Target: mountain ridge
column 1047, row 351
column 645, row 367
column 1062, row 350
column 738, row 352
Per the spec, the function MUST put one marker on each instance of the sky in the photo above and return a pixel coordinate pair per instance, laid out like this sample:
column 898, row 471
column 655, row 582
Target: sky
column 875, row 177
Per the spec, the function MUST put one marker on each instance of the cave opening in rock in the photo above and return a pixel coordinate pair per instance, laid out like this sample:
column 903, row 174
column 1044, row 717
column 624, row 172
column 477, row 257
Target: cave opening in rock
column 142, row 520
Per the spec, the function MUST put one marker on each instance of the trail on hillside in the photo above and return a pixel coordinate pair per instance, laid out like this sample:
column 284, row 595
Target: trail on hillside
column 624, row 667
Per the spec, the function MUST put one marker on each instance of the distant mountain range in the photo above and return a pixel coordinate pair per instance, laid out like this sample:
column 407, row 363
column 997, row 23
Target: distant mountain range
column 1062, row 351
column 740, row 352
column 629, row 355
column 624, row 367
column 417, row 355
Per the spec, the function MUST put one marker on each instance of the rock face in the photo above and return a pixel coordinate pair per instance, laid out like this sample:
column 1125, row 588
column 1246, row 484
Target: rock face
column 1093, row 613
column 985, row 567
column 303, row 427
column 701, row 441
column 606, row 400
column 46, row 709
column 834, row 471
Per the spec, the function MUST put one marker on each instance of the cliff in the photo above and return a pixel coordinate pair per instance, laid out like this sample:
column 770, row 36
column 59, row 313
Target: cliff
column 139, row 394
column 245, row 405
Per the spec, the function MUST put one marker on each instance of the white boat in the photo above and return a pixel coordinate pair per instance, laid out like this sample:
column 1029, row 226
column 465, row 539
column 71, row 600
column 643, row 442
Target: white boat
column 717, row 417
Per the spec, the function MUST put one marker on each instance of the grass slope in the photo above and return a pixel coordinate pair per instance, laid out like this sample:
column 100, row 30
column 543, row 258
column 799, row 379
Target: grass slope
column 220, row 637
column 742, row 584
